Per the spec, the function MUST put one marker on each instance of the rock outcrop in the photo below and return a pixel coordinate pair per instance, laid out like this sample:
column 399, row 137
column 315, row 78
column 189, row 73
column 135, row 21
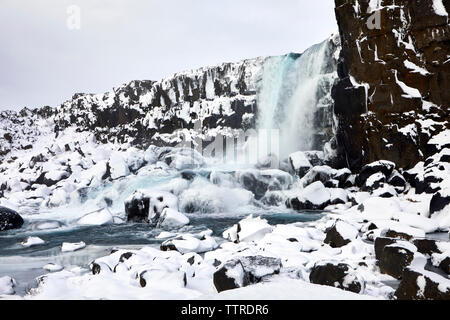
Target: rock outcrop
column 393, row 92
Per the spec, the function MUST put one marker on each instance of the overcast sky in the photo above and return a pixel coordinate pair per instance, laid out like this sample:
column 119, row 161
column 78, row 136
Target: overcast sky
column 43, row 61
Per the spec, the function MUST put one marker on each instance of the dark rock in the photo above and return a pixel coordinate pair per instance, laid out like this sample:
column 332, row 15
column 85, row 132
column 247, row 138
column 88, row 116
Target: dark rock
column 9, row 219
column 125, row 256
column 397, row 235
column 398, row 181
column 188, row 175
column 439, row 202
column 426, row 246
column 334, row 275
column 445, row 265
column 222, row 280
column 137, row 209
column 410, row 290
column 301, row 204
column 252, row 182
column 371, row 113
column 380, row 243
column 394, row 259
column 97, row 268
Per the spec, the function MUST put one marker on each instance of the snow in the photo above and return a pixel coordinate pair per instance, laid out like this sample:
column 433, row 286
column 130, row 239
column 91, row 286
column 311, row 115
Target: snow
column 316, row 193
column 409, row 91
column 439, row 8
column 440, row 139
column 286, row 289
column 70, row 247
column 415, row 68
column 346, row 230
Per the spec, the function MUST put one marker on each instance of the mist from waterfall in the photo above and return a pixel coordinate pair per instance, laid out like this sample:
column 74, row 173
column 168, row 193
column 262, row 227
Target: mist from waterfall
column 289, row 95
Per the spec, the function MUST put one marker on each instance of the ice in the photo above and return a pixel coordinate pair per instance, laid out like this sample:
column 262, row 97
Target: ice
column 51, row 267
column 98, row 218
column 32, row 241
column 70, row 247
column 171, row 218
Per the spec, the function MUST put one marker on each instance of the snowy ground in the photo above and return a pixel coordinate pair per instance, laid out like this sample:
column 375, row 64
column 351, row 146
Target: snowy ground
column 74, row 182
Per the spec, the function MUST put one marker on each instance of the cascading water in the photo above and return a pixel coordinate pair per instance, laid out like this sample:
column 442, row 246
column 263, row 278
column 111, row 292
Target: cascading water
column 292, row 91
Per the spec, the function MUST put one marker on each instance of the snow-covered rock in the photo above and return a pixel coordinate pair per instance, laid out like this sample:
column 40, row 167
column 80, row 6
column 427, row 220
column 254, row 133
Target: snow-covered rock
column 7, row 285
column 248, row 229
column 148, row 205
column 341, row 234
column 32, row 241
column 299, row 163
column 171, row 218
column 97, row 218
column 314, row 197
column 338, row 275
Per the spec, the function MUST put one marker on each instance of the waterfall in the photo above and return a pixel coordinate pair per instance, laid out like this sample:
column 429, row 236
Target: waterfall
column 293, row 88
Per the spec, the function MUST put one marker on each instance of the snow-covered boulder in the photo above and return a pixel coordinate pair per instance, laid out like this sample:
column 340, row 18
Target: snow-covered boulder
column 248, row 229
column 32, row 241
column 171, row 218
column 162, row 277
column 148, row 205
column 260, row 181
column 230, row 276
column 396, row 257
column 300, row 163
column 341, row 234
column 314, row 197
column 188, row 243
column 9, row 219
column 118, row 168
column 98, row 218
column 7, row 285
column 374, row 182
column 338, row 275
column 244, row 271
column 440, row 202
column 420, row 284
column 319, row 173
column 382, row 166
column 397, row 181
column 338, row 196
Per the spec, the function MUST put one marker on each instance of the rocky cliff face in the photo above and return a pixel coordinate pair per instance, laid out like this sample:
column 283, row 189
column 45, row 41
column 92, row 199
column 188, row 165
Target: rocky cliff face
column 393, row 92
column 223, row 99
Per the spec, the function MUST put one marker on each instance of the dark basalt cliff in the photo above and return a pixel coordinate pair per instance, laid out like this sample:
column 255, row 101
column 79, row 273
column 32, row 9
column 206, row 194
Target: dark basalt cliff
column 393, row 92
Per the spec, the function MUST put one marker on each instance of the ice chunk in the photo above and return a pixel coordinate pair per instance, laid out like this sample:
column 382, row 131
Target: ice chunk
column 70, row 247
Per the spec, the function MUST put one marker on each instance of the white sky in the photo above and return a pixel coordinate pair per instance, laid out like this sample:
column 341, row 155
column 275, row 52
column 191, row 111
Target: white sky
column 42, row 62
